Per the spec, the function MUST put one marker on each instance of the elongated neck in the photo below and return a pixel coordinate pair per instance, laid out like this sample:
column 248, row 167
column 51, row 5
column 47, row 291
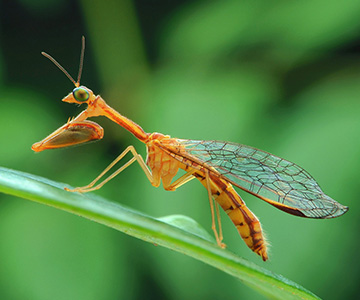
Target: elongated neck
column 100, row 108
column 128, row 124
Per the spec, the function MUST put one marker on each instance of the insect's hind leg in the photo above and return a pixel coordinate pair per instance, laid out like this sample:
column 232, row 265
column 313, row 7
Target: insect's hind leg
column 137, row 157
column 215, row 214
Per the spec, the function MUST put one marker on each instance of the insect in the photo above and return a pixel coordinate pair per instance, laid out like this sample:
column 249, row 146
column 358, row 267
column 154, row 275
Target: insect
column 217, row 165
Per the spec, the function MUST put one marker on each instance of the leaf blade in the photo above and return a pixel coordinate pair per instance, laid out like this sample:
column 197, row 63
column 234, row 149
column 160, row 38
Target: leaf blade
column 149, row 229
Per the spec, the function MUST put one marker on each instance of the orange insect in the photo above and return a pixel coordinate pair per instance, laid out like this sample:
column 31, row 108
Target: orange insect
column 217, row 165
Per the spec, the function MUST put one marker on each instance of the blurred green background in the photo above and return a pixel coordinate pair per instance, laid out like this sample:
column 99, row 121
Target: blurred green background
column 282, row 76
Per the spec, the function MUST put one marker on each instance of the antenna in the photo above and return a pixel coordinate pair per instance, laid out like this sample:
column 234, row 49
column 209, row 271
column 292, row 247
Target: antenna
column 81, row 60
column 77, row 83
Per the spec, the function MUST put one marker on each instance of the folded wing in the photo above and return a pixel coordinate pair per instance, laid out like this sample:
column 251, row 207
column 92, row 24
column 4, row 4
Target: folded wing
column 273, row 179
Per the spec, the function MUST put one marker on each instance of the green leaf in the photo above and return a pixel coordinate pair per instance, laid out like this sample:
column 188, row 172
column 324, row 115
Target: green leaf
column 184, row 235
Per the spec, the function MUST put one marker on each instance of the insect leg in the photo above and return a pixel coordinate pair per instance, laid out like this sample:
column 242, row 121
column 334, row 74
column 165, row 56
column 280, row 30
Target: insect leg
column 218, row 236
column 221, row 237
column 180, row 181
column 137, row 157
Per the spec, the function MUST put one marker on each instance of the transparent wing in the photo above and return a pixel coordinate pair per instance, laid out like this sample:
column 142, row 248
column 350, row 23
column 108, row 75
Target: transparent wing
column 273, row 179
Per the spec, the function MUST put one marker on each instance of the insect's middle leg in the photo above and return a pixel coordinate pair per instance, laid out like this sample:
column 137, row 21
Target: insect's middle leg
column 180, row 181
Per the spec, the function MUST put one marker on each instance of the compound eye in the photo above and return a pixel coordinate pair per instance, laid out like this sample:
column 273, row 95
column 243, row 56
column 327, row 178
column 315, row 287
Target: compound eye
column 81, row 94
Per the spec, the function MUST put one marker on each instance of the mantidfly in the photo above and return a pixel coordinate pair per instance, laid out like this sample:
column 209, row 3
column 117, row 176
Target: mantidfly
column 217, row 165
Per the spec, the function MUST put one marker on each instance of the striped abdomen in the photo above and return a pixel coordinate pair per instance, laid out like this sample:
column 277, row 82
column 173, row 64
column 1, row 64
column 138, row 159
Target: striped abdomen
column 245, row 221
